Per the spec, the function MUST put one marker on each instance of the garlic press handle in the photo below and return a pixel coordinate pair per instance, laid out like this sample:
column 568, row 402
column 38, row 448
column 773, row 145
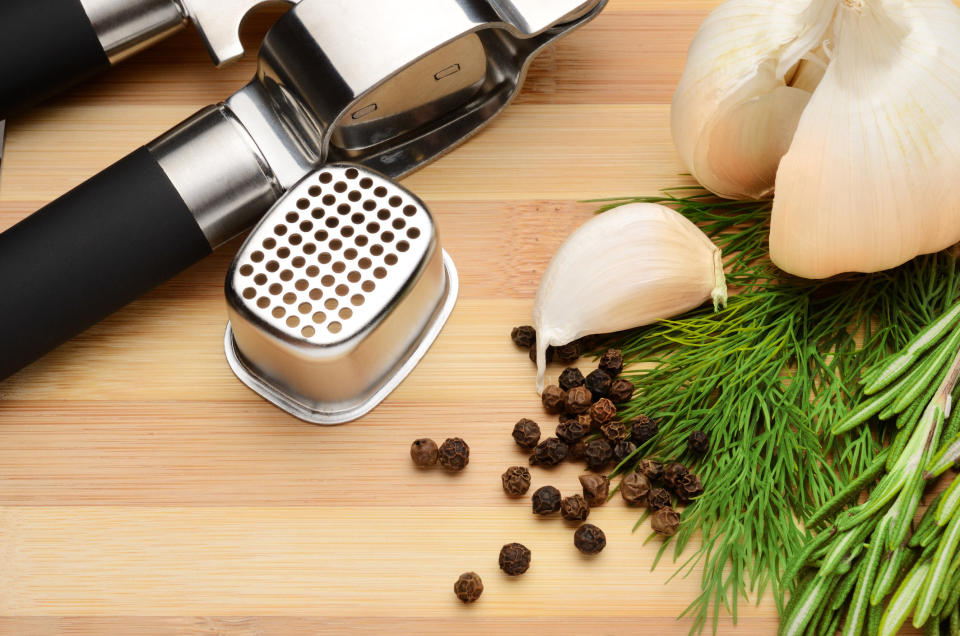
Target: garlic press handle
column 47, row 46
column 125, row 231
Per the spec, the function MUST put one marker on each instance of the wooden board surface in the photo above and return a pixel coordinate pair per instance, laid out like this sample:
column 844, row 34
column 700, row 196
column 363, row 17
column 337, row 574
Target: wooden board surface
column 144, row 490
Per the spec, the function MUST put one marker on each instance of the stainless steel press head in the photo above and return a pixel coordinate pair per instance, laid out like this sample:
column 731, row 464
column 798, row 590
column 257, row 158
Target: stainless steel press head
column 337, row 294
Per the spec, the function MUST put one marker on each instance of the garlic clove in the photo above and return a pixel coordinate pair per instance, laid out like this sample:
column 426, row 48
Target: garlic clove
column 627, row 267
column 733, row 113
column 872, row 177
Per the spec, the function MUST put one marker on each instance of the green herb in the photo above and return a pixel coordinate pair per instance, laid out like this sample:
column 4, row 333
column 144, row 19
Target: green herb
column 883, row 522
column 765, row 379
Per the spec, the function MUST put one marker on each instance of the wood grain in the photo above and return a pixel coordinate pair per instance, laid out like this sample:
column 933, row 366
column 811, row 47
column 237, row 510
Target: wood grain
column 144, row 490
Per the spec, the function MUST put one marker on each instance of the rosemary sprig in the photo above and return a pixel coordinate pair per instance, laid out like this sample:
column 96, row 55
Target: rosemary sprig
column 766, row 378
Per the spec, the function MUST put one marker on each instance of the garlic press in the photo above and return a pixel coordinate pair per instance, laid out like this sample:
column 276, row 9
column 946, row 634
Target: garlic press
column 387, row 85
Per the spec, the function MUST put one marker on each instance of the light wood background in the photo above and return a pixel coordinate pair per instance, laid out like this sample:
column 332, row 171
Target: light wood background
column 144, row 490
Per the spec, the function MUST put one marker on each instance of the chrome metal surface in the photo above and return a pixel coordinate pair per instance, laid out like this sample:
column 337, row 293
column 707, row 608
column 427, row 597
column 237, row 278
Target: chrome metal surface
column 219, row 21
column 218, row 171
column 125, row 28
column 336, row 294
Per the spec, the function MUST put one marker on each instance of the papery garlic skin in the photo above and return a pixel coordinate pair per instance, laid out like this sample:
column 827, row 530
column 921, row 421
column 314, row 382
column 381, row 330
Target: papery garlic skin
column 625, row 268
column 734, row 114
column 872, row 177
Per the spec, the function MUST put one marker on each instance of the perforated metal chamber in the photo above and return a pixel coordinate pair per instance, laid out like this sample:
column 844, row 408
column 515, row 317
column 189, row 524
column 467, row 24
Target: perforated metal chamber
column 336, row 294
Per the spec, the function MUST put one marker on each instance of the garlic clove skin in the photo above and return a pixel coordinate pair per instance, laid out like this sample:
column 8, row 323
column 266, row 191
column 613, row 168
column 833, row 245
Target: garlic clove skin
column 734, row 114
column 625, row 268
column 872, row 176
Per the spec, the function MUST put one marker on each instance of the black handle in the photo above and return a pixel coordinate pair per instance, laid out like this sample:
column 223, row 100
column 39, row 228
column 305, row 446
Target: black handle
column 89, row 253
column 46, row 46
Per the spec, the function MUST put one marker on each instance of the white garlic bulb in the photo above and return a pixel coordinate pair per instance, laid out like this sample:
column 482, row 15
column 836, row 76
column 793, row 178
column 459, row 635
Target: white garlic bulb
column 627, row 267
column 847, row 109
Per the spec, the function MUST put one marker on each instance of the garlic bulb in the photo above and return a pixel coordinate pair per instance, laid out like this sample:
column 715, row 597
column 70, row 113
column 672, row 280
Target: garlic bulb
column 848, row 107
column 628, row 267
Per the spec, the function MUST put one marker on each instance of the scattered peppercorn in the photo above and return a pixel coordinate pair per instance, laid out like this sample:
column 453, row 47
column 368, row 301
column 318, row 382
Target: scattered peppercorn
column 599, row 383
column 665, row 521
column 698, row 443
column 526, row 433
column 570, row 378
column 642, row 430
column 549, row 354
column 596, row 488
column 578, row 400
column 514, row 559
column 424, row 452
column 524, row 336
column 623, row 449
column 569, row 352
column 688, row 488
column 615, row 431
column 651, row 468
column 549, row 452
column 620, row 391
column 578, row 451
column 574, row 508
column 602, row 411
column 553, row 398
column 659, row 498
column 635, row 488
column 454, row 454
column 571, row 429
column 672, row 474
column 598, row 454
column 612, row 362
column 589, row 539
column 468, row 587
column 516, row 480
column 546, row 500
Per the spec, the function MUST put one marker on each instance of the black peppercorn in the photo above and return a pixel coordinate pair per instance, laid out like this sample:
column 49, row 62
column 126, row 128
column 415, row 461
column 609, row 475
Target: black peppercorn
column 468, row 587
column 424, row 452
column 673, row 473
column 454, row 454
column 688, row 488
column 549, row 452
column 642, row 430
column 589, row 539
column 569, row 352
column 598, row 454
column 599, row 383
column 596, row 488
column 623, row 449
column 546, row 500
column 574, row 508
column 698, row 443
column 620, row 391
column 602, row 411
column 516, row 481
column 570, row 378
column 651, row 468
column 611, row 362
column 665, row 521
column 514, row 559
column 659, row 498
column 524, row 336
column 553, row 398
column 526, row 433
column 578, row 451
column 548, row 354
column 578, row 400
column 635, row 488
column 571, row 429
column 615, row 431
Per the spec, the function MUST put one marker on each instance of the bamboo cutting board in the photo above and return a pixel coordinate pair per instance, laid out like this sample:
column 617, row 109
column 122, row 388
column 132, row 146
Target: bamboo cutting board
column 144, row 490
